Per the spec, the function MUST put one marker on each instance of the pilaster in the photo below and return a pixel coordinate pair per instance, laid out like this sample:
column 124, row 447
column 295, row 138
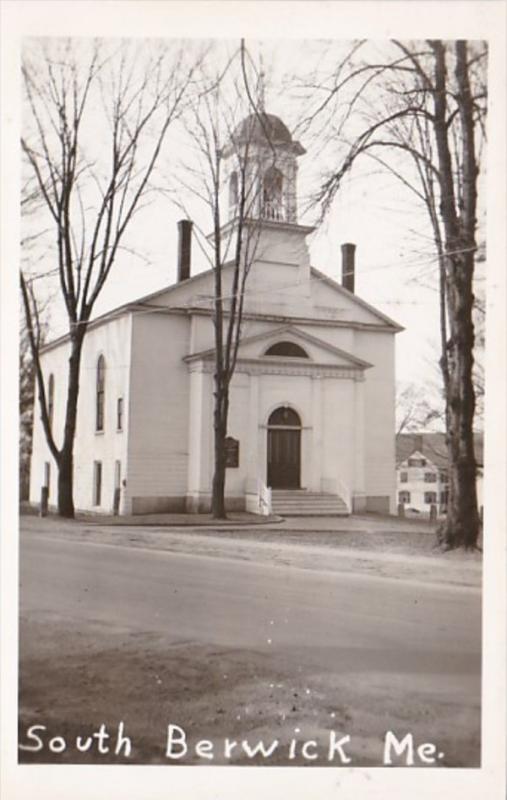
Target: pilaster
column 317, row 433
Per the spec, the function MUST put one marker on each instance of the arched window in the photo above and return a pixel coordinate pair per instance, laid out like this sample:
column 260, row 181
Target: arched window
column 289, row 349
column 233, row 192
column 51, row 399
column 272, row 197
column 100, row 393
column 284, row 417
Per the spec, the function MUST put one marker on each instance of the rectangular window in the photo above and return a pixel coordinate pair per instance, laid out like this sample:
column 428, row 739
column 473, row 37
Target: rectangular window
column 403, row 477
column 117, row 474
column 47, row 475
column 443, row 476
column 404, row 497
column 430, row 477
column 416, row 462
column 97, row 482
column 430, row 497
column 119, row 414
column 444, row 496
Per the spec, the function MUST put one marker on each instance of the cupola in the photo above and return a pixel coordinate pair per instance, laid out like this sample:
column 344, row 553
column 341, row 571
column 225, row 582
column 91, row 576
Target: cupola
column 264, row 145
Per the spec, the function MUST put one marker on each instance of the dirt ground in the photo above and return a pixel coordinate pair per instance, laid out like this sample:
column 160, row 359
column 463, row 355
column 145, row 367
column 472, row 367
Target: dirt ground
column 381, row 546
column 215, row 693
column 238, row 693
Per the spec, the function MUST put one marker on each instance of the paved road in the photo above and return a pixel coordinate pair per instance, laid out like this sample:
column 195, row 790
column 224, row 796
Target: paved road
column 337, row 620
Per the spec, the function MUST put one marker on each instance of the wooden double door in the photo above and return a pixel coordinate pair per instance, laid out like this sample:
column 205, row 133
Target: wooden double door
column 284, row 449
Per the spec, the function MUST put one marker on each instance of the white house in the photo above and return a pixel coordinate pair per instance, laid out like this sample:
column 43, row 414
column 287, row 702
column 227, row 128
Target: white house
column 421, row 471
column 312, row 398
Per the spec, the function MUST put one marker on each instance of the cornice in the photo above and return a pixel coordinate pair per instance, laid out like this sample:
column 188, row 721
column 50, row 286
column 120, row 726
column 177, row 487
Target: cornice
column 268, row 366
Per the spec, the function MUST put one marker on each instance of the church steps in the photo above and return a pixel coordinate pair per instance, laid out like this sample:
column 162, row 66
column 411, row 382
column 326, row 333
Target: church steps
column 301, row 503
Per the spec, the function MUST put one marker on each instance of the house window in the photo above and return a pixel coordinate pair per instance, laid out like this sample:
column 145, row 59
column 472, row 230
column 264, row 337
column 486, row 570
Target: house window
column 444, row 497
column 404, row 497
column 443, row 476
column 430, row 477
column 430, row 497
column 100, row 394
column 289, row 349
column 97, row 482
column 403, row 477
column 119, row 414
column 51, row 399
column 416, row 462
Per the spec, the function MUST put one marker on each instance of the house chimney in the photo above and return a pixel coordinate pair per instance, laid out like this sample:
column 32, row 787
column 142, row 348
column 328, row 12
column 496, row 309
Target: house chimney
column 184, row 248
column 348, row 266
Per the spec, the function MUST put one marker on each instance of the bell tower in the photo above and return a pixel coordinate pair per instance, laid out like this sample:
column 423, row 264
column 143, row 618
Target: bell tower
column 261, row 158
column 263, row 147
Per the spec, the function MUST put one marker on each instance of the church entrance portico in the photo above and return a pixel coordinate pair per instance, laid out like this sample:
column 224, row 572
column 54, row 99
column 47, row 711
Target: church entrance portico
column 284, row 449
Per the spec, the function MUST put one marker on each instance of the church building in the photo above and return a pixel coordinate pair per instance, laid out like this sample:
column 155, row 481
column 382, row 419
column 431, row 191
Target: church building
column 311, row 400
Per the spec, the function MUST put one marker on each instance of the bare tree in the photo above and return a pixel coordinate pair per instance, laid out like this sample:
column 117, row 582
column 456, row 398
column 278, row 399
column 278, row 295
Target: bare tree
column 420, row 112
column 232, row 139
column 415, row 412
column 96, row 117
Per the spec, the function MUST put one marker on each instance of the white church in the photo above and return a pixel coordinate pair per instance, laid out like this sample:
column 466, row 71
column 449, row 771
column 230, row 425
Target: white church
column 311, row 401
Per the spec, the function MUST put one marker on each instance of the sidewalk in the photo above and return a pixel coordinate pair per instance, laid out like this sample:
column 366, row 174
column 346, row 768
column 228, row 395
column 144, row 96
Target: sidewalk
column 235, row 519
column 365, row 523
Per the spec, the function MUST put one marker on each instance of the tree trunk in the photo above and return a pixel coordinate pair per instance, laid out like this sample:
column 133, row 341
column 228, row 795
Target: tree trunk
column 461, row 527
column 66, row 458
column 220, row 429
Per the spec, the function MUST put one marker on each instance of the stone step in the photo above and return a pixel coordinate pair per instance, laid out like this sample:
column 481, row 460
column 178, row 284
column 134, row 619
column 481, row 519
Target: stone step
column 302, row 503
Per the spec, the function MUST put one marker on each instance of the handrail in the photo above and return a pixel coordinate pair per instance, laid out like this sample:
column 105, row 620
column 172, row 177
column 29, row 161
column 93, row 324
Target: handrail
column 345, row 494
column 265, row 498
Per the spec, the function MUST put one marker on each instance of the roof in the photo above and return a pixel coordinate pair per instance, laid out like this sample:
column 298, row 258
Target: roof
column 433, row 446
column 339, row 288
column 139, row 303
column 263, row 127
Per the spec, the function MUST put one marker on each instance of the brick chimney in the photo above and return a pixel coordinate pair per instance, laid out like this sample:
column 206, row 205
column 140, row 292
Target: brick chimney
column 184, row 248
column 348, row 265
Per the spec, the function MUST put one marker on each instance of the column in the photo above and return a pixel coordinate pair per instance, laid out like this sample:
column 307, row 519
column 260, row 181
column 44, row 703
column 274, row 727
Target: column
column 358, row 489
column 314, row 481
column 195, row 436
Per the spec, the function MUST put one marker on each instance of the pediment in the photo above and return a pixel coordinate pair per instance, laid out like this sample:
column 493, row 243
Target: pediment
column 253, row 348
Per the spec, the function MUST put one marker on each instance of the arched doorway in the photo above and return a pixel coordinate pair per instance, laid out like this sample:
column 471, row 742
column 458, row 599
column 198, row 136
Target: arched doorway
column 284, row 449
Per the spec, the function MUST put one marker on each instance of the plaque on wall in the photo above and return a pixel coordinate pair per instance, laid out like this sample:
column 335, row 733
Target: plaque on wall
column 231, row 452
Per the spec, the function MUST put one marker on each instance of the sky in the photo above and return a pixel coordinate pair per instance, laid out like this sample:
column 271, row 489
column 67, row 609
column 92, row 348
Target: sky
column 396, row 270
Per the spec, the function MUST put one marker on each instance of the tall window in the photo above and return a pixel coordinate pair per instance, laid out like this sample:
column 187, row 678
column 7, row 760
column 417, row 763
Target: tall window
column 117, row 474
column 47, row 475
column 403, row 477
column 233, row 192
column 272, row 194
column 100, row 394
column 430, row 497
column 119, row 414
column 97, row 482
column 51, row 399
column 404, row 497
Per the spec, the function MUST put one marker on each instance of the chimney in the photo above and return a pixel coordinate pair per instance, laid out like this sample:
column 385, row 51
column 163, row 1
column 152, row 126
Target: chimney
column 184, row 248
column 348, row 266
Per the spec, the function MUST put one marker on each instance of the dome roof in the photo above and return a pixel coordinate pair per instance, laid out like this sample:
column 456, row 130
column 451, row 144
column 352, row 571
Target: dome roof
column 261, row 127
